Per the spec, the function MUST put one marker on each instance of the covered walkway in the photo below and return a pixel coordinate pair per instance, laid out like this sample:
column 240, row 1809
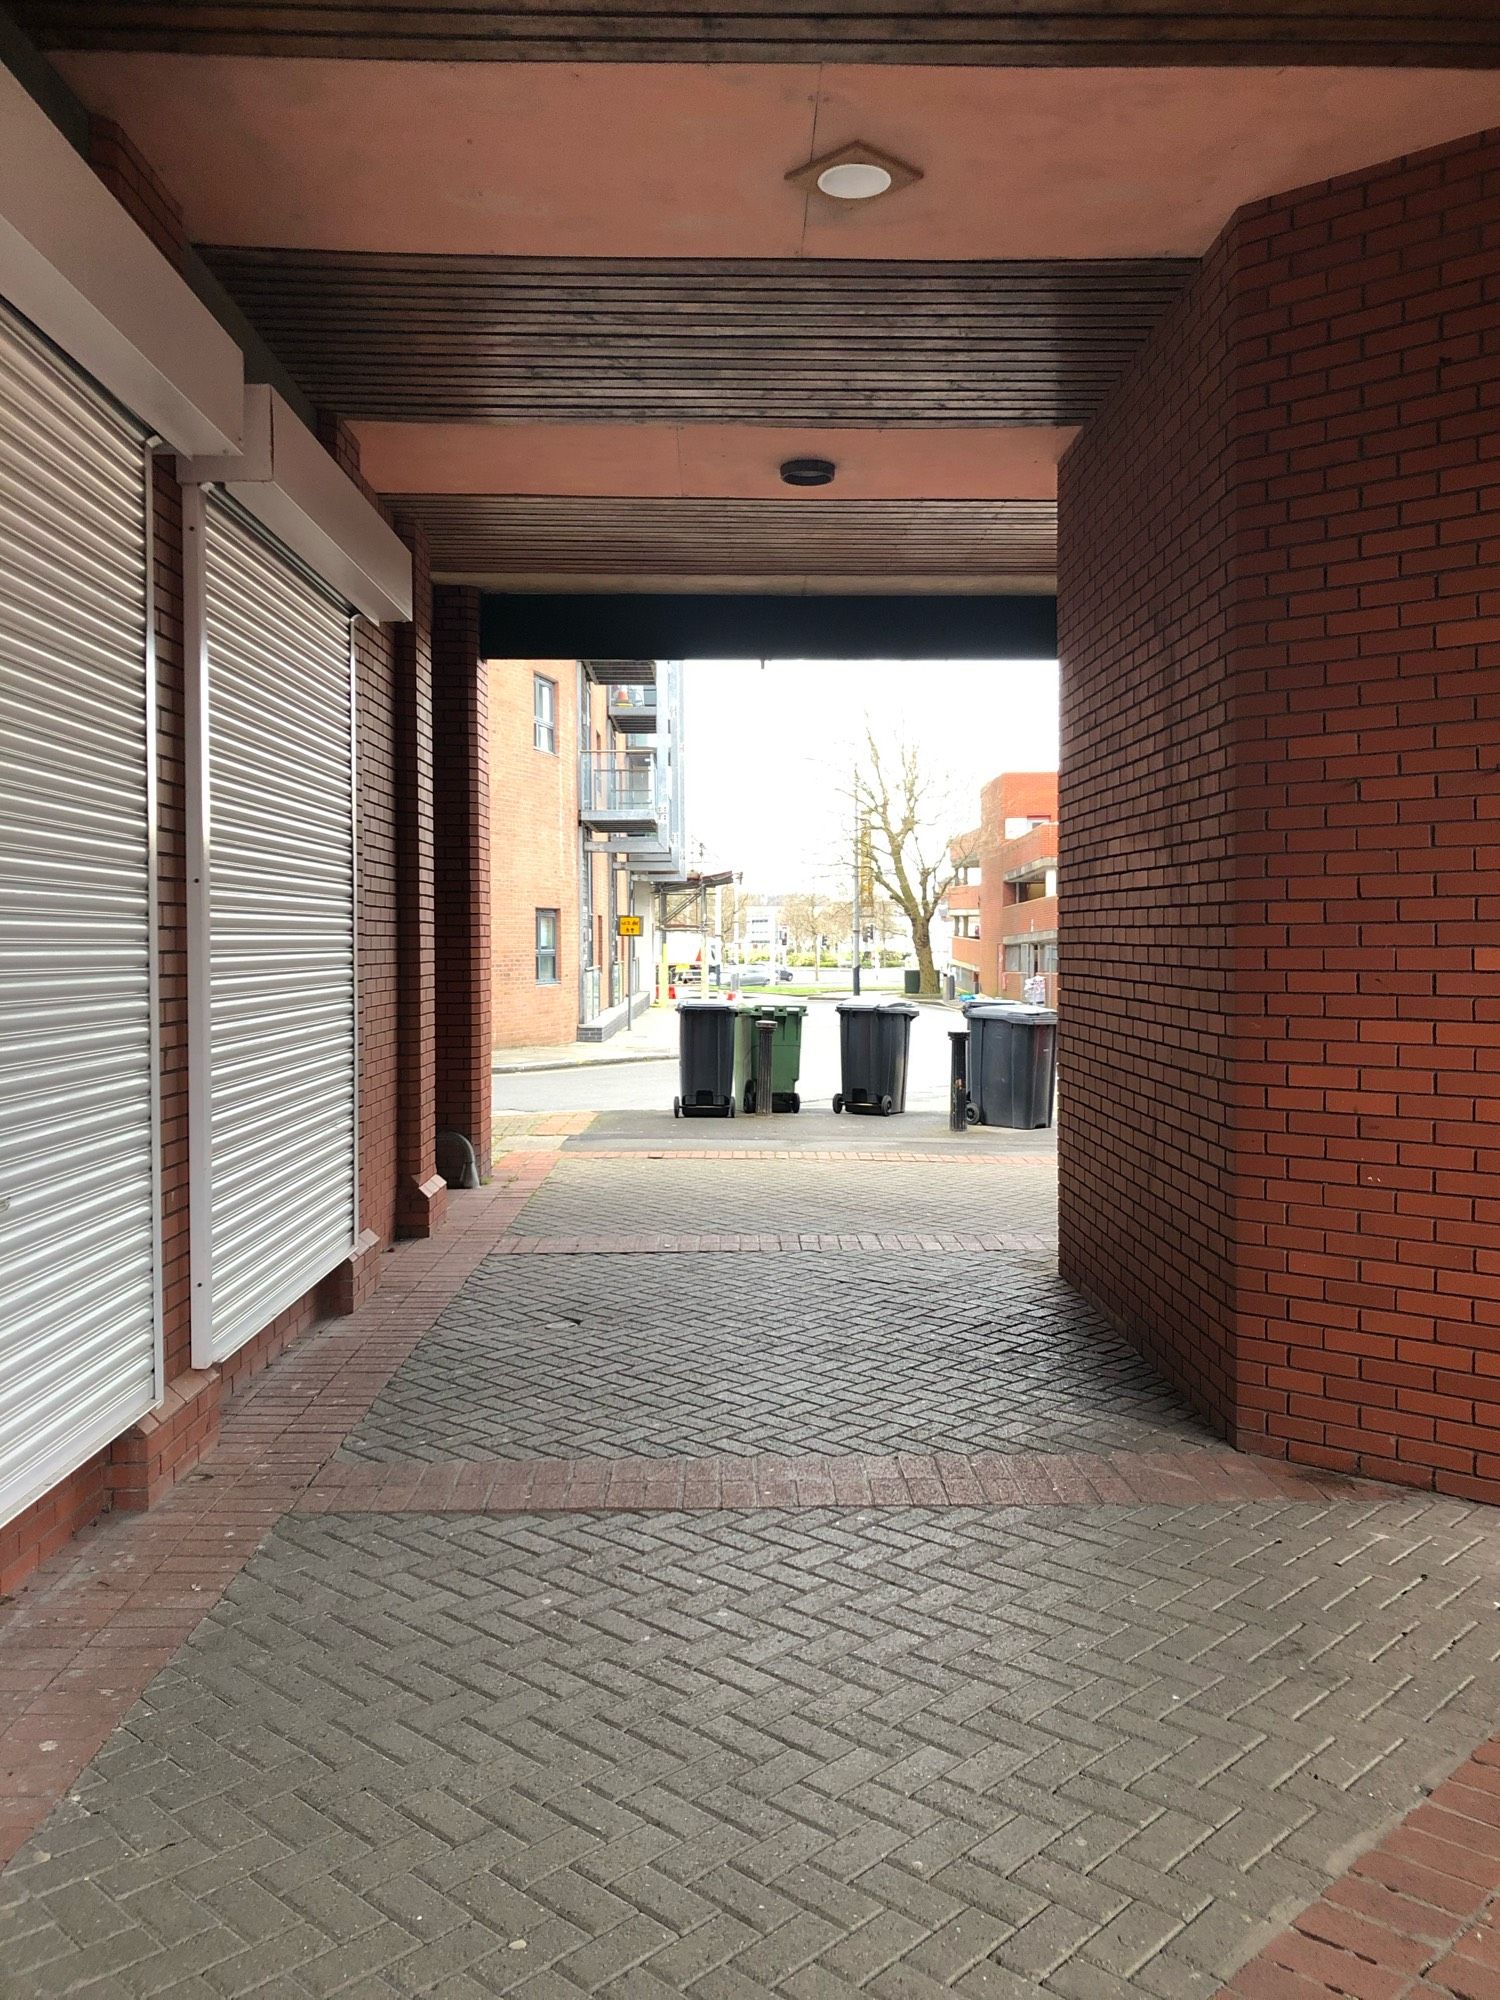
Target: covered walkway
column 734, row 1608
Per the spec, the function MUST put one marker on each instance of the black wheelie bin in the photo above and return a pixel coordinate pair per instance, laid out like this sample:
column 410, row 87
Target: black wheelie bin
column 874, row 1040
column 705, row 1056
column 1012, row 1063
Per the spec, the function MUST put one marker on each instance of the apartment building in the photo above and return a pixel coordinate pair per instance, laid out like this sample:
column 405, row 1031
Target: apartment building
column 1002, row 907
column 586, row 819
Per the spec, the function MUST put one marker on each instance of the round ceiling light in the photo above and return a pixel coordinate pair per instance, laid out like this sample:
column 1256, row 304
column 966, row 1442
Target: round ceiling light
column 855, row 180
column 807, row 471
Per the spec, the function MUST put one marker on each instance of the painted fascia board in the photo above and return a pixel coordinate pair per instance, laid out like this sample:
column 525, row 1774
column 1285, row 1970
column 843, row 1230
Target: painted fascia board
column 76, row 265
column 285, row 478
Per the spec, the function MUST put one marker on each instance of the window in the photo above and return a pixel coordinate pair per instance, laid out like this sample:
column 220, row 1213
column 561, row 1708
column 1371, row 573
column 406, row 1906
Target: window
column 544, row 713
column 546, row 947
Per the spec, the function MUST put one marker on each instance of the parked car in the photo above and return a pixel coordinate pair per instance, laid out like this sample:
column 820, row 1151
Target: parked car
column 758, row 975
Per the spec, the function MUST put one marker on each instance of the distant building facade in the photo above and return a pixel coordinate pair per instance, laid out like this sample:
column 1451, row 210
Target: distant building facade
column 586, row 819
column 1002, row 907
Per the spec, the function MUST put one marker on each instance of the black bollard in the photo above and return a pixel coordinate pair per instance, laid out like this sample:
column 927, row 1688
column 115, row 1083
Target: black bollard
column 958, row 1090
column 765, row 1042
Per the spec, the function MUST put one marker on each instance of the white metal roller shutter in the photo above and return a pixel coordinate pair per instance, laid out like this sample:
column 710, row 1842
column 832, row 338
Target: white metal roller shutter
column 276, row 984
column 79, row 1259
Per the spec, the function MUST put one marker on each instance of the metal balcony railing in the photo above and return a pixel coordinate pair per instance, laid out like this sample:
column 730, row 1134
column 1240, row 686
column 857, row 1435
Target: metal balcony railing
column 632, row 710
column 619, row 791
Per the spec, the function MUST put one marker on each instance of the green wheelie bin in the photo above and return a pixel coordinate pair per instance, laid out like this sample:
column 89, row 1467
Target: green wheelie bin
column 786, row 1053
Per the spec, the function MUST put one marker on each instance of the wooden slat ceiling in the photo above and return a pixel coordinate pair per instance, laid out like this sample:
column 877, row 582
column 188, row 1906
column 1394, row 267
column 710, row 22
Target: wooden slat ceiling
column 1059, row 33
column 489, row 339
column 975, row 545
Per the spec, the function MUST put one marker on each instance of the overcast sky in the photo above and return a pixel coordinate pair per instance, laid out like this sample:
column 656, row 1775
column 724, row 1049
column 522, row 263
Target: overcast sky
column 776, row 816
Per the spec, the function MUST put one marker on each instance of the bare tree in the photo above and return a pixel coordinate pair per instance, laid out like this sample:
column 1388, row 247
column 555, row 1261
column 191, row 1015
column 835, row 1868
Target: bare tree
column 800, row 919
column 904, row 808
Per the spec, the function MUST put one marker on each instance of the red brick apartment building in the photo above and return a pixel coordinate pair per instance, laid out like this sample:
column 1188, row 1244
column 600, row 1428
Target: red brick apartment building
column 585, row 800
column 539, row 717
column 1003, row 907
column 271, row 413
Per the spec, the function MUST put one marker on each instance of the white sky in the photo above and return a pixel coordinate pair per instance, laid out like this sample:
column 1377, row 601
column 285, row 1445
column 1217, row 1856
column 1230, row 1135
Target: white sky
column 768, row 749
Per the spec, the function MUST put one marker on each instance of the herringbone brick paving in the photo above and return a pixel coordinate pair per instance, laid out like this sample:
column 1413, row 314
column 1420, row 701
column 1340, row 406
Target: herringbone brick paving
column 812, row 1755
column 712, row 1355
column 691, row 1197
column 987, row 1722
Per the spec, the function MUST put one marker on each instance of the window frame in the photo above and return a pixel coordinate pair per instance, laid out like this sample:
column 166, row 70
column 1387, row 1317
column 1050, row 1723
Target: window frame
column 552, row 950
column 544, row 725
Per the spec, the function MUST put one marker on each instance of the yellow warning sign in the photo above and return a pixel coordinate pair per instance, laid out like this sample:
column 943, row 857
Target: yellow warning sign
column 628, row 926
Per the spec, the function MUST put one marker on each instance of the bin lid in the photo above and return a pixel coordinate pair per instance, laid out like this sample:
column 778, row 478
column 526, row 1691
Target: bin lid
column 1011, row 1010
column 873, row 1004
column 777, row 1010
column 705, row 1006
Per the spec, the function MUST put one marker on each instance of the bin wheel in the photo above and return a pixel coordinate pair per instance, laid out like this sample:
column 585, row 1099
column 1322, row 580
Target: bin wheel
column 971, row 1114
column 838, row 1102
column 796, row 1102
column 676, row 1107
column 750, row 1098
column 887, row 1106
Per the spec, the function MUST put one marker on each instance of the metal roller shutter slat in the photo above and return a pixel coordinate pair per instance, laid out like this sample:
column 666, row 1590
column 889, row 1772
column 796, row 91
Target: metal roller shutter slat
column 280, row 1115
column 79, row 1336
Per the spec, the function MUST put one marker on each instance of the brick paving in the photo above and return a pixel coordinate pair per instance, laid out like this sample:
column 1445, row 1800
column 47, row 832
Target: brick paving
column 600, row 1356
column 484, row 1694
column 792, row 1195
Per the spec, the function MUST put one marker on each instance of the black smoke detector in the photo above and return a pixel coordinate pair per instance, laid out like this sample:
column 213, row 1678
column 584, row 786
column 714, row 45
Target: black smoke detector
column 807, row 471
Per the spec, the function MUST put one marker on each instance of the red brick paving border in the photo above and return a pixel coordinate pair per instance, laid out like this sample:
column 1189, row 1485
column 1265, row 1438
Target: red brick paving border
column 836, row 1156
column 906, row 1479
column 1414, row 1917
column 801, row 1243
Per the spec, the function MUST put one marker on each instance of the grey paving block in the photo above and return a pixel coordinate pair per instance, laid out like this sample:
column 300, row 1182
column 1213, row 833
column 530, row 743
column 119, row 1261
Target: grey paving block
column 584, row 1197
column 545, row 1765
column 721, row 1355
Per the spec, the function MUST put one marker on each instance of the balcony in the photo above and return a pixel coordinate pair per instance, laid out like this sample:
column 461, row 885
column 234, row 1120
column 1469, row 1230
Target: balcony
column 619, row 791
column 632, row 710
column 615, row 673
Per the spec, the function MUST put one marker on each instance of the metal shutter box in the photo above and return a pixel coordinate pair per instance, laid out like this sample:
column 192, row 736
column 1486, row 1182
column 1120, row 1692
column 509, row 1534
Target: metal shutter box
column 273, row 958
column 80, row 1315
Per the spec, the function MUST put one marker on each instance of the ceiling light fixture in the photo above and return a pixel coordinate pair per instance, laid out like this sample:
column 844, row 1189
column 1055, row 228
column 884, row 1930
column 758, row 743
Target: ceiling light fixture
column 855, row 180
column 855, row 172
column 807, row 471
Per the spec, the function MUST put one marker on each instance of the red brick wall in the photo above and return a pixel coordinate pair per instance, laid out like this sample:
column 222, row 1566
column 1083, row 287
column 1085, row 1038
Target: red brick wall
column 1369, row 919
column 1146, row 534
column 1317, row 639
column 461, row 823
column 379, row 942
column 421, row 1198
column 534, row 837
column 137, row 188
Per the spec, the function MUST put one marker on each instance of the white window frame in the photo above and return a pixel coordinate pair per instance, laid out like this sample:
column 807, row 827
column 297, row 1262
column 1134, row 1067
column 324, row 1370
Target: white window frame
column 544, row 714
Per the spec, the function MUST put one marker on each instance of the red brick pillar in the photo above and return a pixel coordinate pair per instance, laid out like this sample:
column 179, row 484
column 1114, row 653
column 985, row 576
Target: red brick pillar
column 461, row 749
column 1281, row 831
column 421, row 1191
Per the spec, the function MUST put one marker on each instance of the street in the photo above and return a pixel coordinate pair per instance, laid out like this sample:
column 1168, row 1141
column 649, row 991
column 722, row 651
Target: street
column 651, row 1086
